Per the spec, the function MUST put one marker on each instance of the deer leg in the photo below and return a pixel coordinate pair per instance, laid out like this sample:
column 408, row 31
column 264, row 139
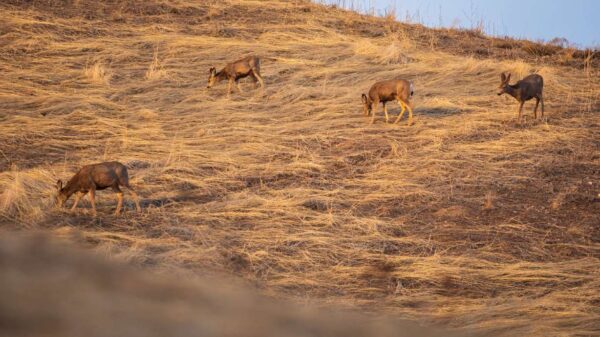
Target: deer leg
column 93, row 200
column 542, row 99
column 254, row 79
column 119, row 202
column 136, row 199
column 229, row 86
column 259, row 78
column 119, row 198
column 537, row 102
column 374, row 111
column 401, row 112
column 387, row 118
column 76, row 202
column 521, row 112
column 410, row 114
column 237, row 83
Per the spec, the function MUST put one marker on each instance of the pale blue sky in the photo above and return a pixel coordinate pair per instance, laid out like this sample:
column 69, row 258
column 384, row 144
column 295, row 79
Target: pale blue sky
column 576, row 20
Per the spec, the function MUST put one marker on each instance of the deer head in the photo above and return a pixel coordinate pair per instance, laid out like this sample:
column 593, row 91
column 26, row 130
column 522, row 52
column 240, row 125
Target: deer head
column 61, row 194
column 212, row 77
column 367, row 104
column 504, row 86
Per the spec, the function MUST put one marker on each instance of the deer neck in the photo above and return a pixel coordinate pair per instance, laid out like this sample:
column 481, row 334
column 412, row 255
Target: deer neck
column 71, row 187
column 513, row 90
column 221, row 75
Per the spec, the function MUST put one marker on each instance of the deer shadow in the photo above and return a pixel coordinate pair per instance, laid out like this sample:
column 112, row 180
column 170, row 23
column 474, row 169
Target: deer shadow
column 184, row 197
column 439, row 111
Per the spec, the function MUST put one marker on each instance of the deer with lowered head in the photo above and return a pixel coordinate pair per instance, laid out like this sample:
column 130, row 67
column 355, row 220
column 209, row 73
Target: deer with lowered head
column 531, row 86
column 386, row 91
column 95, row 177
column 234, row 71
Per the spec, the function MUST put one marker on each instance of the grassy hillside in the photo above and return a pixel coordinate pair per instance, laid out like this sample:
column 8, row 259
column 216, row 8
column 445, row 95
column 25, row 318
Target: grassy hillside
column 50, row 290
column 465, row 219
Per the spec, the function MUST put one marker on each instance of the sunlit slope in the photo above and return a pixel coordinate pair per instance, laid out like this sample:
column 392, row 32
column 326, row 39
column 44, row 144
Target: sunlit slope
column 464, row 218
column 49, row 289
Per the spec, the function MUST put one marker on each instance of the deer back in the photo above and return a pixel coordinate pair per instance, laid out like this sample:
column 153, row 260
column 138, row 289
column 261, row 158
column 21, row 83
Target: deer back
column 390, row 90
column 531, row 86
column 100, row 176
column 242, row 67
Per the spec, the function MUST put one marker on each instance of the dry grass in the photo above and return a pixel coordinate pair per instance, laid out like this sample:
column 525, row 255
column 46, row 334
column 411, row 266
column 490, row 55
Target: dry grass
column 155, row 70
column 50, row 290
column 464, row 219
column 97, row 72
column 25, row 194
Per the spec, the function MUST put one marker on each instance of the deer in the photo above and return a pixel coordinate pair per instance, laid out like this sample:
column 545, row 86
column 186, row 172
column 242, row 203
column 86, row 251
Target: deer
column 95, row 177
column 234, row 71
column 531, row 86
column 385, row 91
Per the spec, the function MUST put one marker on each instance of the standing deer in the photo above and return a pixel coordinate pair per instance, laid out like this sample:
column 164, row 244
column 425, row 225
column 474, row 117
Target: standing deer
column 530, row 87
column 385, row 91
column 91, row 178
column 234, row 71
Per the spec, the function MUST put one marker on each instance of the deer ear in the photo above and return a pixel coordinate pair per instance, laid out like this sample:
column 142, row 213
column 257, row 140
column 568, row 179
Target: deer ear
column 59, row 184
column 364, row 98
column 503, row 77
column 508, row 78
column 212, row 70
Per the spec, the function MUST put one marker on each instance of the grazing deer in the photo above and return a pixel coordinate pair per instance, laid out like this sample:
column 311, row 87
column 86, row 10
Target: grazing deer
column 91, row 178
column 234, row 71
column 385, row 91
column 529, row 87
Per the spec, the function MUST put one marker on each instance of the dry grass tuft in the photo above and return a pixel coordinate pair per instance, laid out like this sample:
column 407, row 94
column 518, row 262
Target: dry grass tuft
column 540, row 49
column 155, row 69
column 388, row 54
column 97, row 72
column 26, row 195
column 489, row 201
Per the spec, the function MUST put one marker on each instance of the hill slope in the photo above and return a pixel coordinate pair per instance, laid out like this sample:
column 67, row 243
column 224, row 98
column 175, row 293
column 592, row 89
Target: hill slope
column 464, row 218
column 48, row 290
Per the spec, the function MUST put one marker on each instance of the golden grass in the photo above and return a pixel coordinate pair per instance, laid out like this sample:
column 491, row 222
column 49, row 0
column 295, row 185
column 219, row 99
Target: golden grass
column 464, row 219
column 97, row 72
column 155, row 70
column 47, row 288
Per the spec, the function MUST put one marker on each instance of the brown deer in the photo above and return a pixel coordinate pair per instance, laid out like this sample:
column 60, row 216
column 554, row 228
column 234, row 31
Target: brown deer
column 91, row 178
column 531, row 86
column 385, row 91
column 234, row 71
